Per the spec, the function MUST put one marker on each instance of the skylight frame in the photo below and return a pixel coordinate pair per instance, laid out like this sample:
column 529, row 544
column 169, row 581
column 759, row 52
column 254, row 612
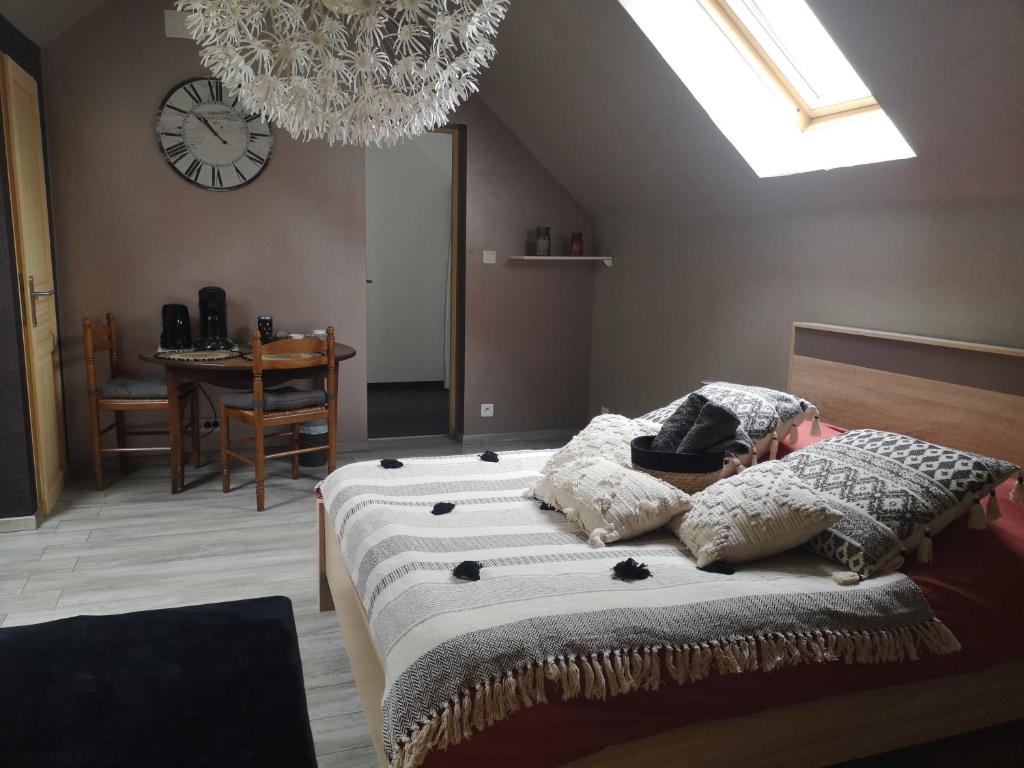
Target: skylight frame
column 747, row 45
column 747, row 102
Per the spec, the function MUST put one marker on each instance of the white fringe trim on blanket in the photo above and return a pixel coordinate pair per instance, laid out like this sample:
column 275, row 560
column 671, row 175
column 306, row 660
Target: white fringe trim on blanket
column 616, row 672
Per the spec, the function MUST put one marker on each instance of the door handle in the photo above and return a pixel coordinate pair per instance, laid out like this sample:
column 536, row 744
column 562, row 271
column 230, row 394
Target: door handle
column 33, row 294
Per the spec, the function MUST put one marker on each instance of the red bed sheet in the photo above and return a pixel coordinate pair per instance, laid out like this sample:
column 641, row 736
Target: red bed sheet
column 973, row 586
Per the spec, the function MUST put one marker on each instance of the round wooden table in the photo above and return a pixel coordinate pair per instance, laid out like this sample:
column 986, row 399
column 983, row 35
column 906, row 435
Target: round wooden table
column 231, row 373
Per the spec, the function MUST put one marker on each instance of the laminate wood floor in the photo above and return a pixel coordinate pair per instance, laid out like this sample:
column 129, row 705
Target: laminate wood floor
column 134, row 547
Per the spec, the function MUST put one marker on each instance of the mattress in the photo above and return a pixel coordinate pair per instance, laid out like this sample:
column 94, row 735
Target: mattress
column 973, row 587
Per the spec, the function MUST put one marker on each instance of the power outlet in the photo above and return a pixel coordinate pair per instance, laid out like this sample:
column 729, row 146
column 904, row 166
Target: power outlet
column 486, row 410
column 490, row 257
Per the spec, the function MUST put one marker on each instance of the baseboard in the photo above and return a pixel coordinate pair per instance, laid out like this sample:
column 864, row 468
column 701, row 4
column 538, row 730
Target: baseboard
column 489, row 438
column 353, row 446
column 423, row 441
column 80, row 468
column 83, row 468
column 15, row 524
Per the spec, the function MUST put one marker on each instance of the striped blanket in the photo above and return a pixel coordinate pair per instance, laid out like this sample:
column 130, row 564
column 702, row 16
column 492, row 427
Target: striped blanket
column 548, row 618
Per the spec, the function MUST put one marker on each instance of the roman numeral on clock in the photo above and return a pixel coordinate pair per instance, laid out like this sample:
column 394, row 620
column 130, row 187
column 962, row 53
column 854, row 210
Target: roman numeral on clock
column 216, row 90
column 176, row 151
column 193, row 170
column 215, row 177
column 254, row 157
column 193, row 93
column 238, row 172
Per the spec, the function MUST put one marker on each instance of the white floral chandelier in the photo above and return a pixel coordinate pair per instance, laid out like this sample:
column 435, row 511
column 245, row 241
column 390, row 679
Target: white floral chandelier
column 352, row 71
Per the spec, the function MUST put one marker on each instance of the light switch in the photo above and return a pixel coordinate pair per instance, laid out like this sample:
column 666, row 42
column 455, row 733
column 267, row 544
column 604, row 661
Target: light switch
column 490, row 257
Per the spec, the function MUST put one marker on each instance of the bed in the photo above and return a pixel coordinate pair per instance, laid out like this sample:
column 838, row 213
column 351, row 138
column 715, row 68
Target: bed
column 966, row 395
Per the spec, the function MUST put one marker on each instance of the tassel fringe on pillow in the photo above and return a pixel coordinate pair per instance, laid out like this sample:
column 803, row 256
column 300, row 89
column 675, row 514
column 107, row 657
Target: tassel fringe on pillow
column 1017, row 494
column 977, row 520
column 925, row 551
column 992, row 508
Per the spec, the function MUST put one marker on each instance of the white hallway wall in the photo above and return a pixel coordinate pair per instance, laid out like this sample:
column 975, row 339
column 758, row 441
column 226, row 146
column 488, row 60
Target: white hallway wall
column 408, row 225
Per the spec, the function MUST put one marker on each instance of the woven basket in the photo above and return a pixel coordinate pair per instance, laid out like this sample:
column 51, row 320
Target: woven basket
column 689, row 472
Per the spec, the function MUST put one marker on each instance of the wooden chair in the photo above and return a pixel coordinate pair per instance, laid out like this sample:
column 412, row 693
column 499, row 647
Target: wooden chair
column 284, row 407
column 122, row 393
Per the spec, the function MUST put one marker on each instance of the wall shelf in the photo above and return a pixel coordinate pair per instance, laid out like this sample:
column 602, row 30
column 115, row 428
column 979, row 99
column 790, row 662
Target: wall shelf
column 607, row 260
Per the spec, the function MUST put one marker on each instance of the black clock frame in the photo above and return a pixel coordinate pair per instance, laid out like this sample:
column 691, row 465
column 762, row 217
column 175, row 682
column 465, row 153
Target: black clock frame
column 159, row 112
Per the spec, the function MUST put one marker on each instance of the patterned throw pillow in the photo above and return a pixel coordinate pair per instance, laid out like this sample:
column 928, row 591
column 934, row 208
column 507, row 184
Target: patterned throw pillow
column 607, row 435
column 766, row 415
column 610, row 502
column 882, row 480
column 761, row 512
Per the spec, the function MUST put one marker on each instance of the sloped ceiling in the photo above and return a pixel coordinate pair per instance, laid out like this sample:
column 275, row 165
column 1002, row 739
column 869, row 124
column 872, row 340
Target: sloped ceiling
column 584, row 89
column 42, row 20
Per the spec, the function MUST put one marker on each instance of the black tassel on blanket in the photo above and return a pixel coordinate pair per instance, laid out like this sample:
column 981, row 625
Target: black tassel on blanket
column 442, row 508
column 467, row 570
column 630, row 570
column 391, row 464
column 489, row 456
column 546, row 507
column 719, row 566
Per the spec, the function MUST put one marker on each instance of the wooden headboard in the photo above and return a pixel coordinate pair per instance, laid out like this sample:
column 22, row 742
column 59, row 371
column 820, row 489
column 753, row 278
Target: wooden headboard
column 954, row 393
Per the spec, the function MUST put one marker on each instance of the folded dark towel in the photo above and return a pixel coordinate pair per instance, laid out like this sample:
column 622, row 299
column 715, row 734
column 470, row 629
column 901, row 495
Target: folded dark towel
column 675, row 427
column 700, row 426
column 715, row 426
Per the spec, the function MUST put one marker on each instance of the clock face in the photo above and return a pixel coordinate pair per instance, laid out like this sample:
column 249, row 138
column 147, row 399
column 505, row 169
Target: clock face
column 209, row 139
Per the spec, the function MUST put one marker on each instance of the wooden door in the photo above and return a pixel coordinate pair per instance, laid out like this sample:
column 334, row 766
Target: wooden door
column 19, row 98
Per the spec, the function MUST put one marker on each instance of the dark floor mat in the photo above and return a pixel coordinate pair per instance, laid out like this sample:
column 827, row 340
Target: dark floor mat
column 205, row 686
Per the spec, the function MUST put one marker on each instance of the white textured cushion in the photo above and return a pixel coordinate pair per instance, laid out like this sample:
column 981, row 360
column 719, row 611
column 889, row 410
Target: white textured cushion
column 761, row 512
column 607, row 436
column 610, row 502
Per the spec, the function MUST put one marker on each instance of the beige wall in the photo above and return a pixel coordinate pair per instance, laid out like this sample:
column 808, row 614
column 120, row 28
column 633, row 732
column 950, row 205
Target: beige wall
column 712, row 264
column 706, row 300
column 527, row 324
column 130, row 235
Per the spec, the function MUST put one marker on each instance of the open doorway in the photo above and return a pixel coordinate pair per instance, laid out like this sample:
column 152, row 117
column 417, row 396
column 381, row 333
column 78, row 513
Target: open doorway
column 414, row 254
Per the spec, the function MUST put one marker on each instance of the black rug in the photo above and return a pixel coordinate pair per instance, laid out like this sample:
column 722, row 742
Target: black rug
column 208, row 685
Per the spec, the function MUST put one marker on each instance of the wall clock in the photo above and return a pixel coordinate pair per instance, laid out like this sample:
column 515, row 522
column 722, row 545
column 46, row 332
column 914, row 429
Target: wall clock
column 209, row 139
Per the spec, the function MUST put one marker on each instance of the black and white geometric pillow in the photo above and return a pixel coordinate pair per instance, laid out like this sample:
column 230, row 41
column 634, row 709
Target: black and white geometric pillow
column 766, row 415
column 905, row 484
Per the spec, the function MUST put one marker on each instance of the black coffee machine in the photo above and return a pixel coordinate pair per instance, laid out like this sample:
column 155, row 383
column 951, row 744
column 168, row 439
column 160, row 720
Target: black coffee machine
column 177, row 329
column 213, row 319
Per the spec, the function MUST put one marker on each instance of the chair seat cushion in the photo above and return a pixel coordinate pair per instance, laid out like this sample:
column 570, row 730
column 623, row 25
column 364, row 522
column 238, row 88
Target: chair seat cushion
column 134, row 389
column 283, row 399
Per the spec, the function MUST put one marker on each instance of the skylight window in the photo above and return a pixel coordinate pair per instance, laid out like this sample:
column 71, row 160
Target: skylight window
column 774, row 82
